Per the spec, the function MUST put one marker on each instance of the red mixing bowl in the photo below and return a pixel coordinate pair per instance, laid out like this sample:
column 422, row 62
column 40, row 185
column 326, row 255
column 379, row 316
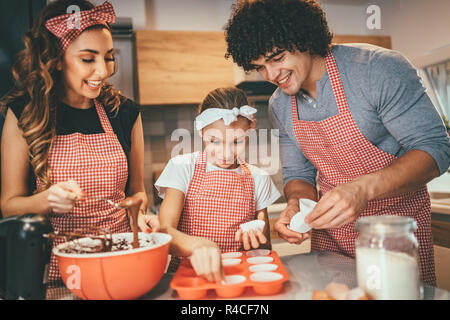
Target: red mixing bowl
column 116, row 275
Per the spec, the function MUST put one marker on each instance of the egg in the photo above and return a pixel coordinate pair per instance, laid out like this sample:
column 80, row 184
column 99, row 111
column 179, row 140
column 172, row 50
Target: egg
column 337, row 291
column 357, row 294
column 320, row 295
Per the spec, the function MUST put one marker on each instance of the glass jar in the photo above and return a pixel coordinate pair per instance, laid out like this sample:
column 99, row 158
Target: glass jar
column 387, row 257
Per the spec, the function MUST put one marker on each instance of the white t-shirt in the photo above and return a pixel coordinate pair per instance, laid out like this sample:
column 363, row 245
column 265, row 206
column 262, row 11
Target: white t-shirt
column 179, row 171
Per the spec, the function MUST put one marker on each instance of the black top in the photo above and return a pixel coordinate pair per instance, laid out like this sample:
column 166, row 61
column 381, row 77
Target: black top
column 87, row 121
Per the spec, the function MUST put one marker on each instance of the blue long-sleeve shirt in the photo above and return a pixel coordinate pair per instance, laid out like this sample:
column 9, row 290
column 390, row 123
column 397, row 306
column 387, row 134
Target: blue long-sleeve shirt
column 386, row 98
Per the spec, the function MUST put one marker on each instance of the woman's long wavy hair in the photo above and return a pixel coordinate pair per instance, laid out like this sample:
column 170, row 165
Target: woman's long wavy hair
column 37, row 80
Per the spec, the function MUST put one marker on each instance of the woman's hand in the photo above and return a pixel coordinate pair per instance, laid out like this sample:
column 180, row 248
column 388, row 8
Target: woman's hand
column 62, row 196
column 281, row 226
column 250, row 239
column 339, row 206
column 148, row 222
column 206, row 259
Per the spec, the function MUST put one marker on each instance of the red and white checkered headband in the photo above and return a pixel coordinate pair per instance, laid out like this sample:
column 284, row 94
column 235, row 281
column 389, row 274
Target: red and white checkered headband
column 69, row 26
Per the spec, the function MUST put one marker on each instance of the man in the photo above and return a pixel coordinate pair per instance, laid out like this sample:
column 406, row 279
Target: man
column 356, row 117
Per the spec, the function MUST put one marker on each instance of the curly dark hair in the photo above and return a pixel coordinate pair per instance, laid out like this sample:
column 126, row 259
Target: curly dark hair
column 257, row 27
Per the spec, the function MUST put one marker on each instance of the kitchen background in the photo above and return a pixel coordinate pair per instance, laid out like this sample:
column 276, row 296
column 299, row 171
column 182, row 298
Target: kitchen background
column 170, row 54
column 399, row 20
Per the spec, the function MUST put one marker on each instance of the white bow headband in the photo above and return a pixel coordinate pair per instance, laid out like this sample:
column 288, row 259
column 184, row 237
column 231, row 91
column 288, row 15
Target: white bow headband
column 213, row 114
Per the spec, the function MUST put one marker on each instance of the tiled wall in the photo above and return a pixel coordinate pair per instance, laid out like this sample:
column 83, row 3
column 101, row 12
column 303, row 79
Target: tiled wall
column 160, row 122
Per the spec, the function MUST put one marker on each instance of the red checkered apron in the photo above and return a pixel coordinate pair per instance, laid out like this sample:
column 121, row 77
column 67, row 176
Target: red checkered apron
column 217, row 202
column 340, row 152
column 98, row 164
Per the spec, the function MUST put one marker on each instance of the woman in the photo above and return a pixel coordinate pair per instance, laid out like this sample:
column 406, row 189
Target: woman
column 67, row 133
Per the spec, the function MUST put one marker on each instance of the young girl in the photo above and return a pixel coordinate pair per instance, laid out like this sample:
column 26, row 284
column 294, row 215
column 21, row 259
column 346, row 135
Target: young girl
column 207, row 195
column 67, row 132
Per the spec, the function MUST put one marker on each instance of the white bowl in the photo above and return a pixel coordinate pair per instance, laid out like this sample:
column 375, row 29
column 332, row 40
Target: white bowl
column 258, row 253
column 233, row 279
column 259, row 260
column 263, row 267
column 228, row 255
column 265, row 276
column 230, row 262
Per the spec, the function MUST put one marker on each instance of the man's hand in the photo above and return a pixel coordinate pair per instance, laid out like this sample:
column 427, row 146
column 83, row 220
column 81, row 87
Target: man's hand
column 281, row 226
column 339, row 206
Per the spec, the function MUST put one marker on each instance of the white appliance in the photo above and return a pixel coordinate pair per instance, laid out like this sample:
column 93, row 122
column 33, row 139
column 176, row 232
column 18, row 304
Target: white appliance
column 125, row 78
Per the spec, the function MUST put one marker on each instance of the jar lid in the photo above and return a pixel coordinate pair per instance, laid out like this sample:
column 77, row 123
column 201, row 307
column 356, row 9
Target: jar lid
column 386, row 224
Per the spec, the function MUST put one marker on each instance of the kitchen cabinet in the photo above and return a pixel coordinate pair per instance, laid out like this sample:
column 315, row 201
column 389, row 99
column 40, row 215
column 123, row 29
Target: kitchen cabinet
column 381, row 41
column 180, row 67
column 442, row 261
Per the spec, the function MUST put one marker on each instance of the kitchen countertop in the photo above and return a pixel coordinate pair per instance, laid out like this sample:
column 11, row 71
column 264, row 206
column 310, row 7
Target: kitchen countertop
column 308, row 272
column 439, row 190
column 440, row 184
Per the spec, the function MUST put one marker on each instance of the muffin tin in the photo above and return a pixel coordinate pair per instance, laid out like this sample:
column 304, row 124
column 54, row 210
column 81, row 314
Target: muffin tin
column 262, row 270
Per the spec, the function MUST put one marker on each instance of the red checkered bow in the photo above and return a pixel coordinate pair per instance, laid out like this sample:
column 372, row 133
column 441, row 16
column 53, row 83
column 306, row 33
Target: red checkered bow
column 67, row 27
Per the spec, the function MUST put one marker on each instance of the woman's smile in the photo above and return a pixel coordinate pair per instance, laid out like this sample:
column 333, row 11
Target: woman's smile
column 94, row 84
column 87, row 63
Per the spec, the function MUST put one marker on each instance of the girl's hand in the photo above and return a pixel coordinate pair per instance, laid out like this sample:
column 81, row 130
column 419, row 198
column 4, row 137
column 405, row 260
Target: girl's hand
column 251, row 239
column 62, row 196
column 206, row 260
column 148, row 222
